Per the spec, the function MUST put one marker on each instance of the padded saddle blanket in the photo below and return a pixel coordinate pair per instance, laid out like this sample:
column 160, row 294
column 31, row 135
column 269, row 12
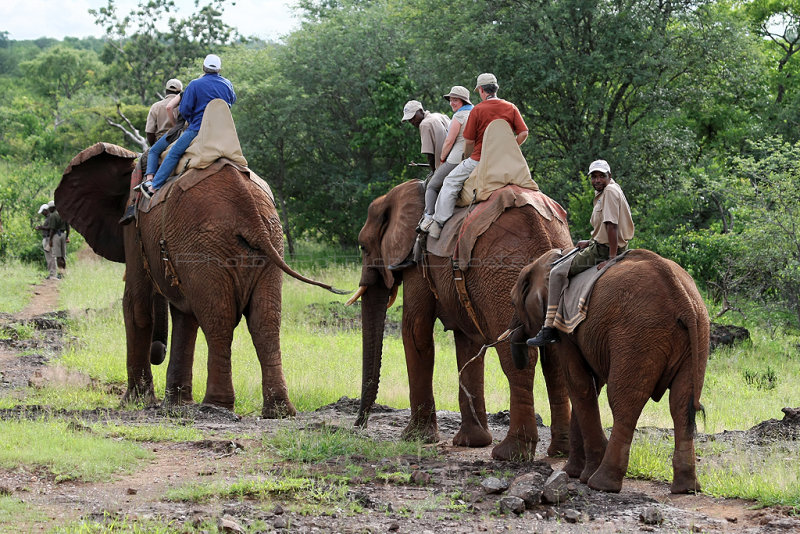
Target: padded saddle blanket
column 574, row 303
column 468, row 224
column 192, row 177
column 216, row 145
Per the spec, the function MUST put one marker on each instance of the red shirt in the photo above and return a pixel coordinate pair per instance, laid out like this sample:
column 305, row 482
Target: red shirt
column 483, row 114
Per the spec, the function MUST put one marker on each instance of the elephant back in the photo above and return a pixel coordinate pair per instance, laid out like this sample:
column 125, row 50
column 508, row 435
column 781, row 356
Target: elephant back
column 92, row 196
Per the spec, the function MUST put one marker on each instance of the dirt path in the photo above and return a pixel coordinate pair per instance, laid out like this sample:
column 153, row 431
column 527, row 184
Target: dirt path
column 446, row 494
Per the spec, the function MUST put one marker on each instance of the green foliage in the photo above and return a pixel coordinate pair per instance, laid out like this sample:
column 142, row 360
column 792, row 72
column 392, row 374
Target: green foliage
column 766, row 379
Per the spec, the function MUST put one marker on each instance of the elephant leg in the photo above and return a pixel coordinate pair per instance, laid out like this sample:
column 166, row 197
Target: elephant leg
column 627, row 402
column 577, row 456
column 418, row 320
column 137, row 307
column 474, row 430
column 158, row 346
column 520, row 442
column 583, row 391
column 178, row 390
column 558, row 396
column 264, row 322
column 681, row 405
column 218, row 323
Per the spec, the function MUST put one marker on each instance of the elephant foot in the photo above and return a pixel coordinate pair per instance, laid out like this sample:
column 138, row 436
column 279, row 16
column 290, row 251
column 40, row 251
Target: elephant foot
column 513, row 448
column 559, row 446
column 278, row 409
column 158, row 352
column 574, row 468
column 589, row 469
column 684, row 484
column 426, row 433
column 473, row 436
column 141, row 395
column 604, row 480
column 178, row 396
column 226, row 403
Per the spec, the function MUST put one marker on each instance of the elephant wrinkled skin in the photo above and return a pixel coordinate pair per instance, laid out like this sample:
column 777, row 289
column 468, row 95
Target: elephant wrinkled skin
column 646, row 330
column 224, row 240
column 517, row 237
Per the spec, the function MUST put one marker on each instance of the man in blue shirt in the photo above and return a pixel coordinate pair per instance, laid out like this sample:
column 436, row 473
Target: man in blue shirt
column 193, row 103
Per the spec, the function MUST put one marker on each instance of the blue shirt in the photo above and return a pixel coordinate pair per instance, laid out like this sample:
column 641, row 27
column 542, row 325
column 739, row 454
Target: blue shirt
column 200, row 92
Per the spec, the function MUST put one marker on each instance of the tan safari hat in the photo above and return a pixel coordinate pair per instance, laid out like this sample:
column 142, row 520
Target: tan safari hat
column 485, row 79
column 458, row 91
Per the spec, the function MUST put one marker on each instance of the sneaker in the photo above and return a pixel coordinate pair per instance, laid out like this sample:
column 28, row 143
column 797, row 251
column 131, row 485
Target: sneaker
column 426, row 223
column 145, row 188
column 546, row 335
column 435, row 230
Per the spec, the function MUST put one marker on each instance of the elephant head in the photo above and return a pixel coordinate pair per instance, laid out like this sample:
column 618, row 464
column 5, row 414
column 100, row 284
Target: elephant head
column 529, row 299
column 387, row 238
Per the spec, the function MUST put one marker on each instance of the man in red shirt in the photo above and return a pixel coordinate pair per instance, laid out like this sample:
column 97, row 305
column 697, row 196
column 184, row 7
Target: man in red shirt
column 489, row 109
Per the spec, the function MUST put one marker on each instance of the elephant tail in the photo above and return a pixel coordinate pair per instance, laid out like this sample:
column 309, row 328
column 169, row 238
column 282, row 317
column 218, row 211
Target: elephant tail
column 256, row 235
column 692, row 318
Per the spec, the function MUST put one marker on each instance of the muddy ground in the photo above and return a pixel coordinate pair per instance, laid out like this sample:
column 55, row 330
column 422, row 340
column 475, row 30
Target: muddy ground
column 445, row 493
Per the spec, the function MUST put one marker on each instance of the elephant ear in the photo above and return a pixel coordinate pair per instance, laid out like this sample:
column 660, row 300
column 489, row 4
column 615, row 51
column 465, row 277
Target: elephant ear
column 93, row 194
column 402, row 209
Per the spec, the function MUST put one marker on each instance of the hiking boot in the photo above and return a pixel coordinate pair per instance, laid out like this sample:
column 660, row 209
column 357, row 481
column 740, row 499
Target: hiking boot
column 435, row 230
column 408, row 262
column 546, row 335
column 130, row 215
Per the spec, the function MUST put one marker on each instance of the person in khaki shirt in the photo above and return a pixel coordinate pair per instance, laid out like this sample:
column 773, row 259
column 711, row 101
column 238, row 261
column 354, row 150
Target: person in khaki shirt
column 612, row 229
column 161, row 118
column 432, row 131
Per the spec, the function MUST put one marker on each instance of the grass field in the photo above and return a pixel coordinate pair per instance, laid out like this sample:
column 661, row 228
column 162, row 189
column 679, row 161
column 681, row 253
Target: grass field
column 744, row 385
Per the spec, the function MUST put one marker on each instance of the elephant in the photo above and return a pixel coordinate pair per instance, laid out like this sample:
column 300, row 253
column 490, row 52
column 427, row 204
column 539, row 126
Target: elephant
column 646, row 330
column 519, row 235
column 212, row 251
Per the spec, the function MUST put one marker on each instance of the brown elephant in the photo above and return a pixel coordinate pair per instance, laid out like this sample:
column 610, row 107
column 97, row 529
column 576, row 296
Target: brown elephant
column 646, row 330
column 213, row 250
column 514, row 239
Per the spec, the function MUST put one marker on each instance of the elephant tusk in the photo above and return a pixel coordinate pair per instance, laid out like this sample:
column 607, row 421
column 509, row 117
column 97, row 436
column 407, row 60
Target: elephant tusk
column 393, row 296
column 359, row 293
column 504, row 335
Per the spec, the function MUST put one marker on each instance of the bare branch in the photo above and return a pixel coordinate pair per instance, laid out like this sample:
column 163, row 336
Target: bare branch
column 128, row 128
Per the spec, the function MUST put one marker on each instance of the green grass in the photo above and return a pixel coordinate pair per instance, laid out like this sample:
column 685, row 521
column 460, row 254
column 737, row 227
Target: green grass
column 131, row 526
column 16, row 284
column 314, row 446
column 64, row 453
column 152, row 433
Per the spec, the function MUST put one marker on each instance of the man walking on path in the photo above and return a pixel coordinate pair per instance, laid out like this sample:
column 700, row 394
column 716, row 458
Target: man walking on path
column 44, row 211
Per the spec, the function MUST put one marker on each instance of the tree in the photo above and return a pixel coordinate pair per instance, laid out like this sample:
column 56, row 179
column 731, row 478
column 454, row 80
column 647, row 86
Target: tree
column 142, row 56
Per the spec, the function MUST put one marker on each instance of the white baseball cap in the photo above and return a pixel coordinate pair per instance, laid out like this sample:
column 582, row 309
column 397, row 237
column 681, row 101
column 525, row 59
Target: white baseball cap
column 410, row 109
column 212, row 62
column 599, row 165
column 43, row 208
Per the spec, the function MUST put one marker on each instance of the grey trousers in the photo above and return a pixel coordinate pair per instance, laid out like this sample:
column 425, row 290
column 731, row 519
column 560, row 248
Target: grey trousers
column 451, row 188
column 435, row 184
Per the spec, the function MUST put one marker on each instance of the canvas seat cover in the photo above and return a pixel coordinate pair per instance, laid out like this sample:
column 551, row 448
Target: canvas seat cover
column 502, row 163
column 217, row 139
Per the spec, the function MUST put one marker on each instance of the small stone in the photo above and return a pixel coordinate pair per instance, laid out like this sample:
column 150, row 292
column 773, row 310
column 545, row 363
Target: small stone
column 527, row 492
column 573, row 516
column 494, row 485
column 651, row 516
column 420, row 478
column 131, row 491
column 787, row 524
column 279, row 522
column 278, row 510
column 394, row 525
column 228, row 524
column 555, row 488
column 512, row 504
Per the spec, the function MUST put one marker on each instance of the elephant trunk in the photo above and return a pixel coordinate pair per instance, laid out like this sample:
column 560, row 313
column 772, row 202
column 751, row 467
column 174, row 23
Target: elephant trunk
column 373, row 321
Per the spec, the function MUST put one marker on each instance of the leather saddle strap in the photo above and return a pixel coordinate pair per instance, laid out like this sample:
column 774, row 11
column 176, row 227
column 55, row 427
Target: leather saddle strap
column 463, row 295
